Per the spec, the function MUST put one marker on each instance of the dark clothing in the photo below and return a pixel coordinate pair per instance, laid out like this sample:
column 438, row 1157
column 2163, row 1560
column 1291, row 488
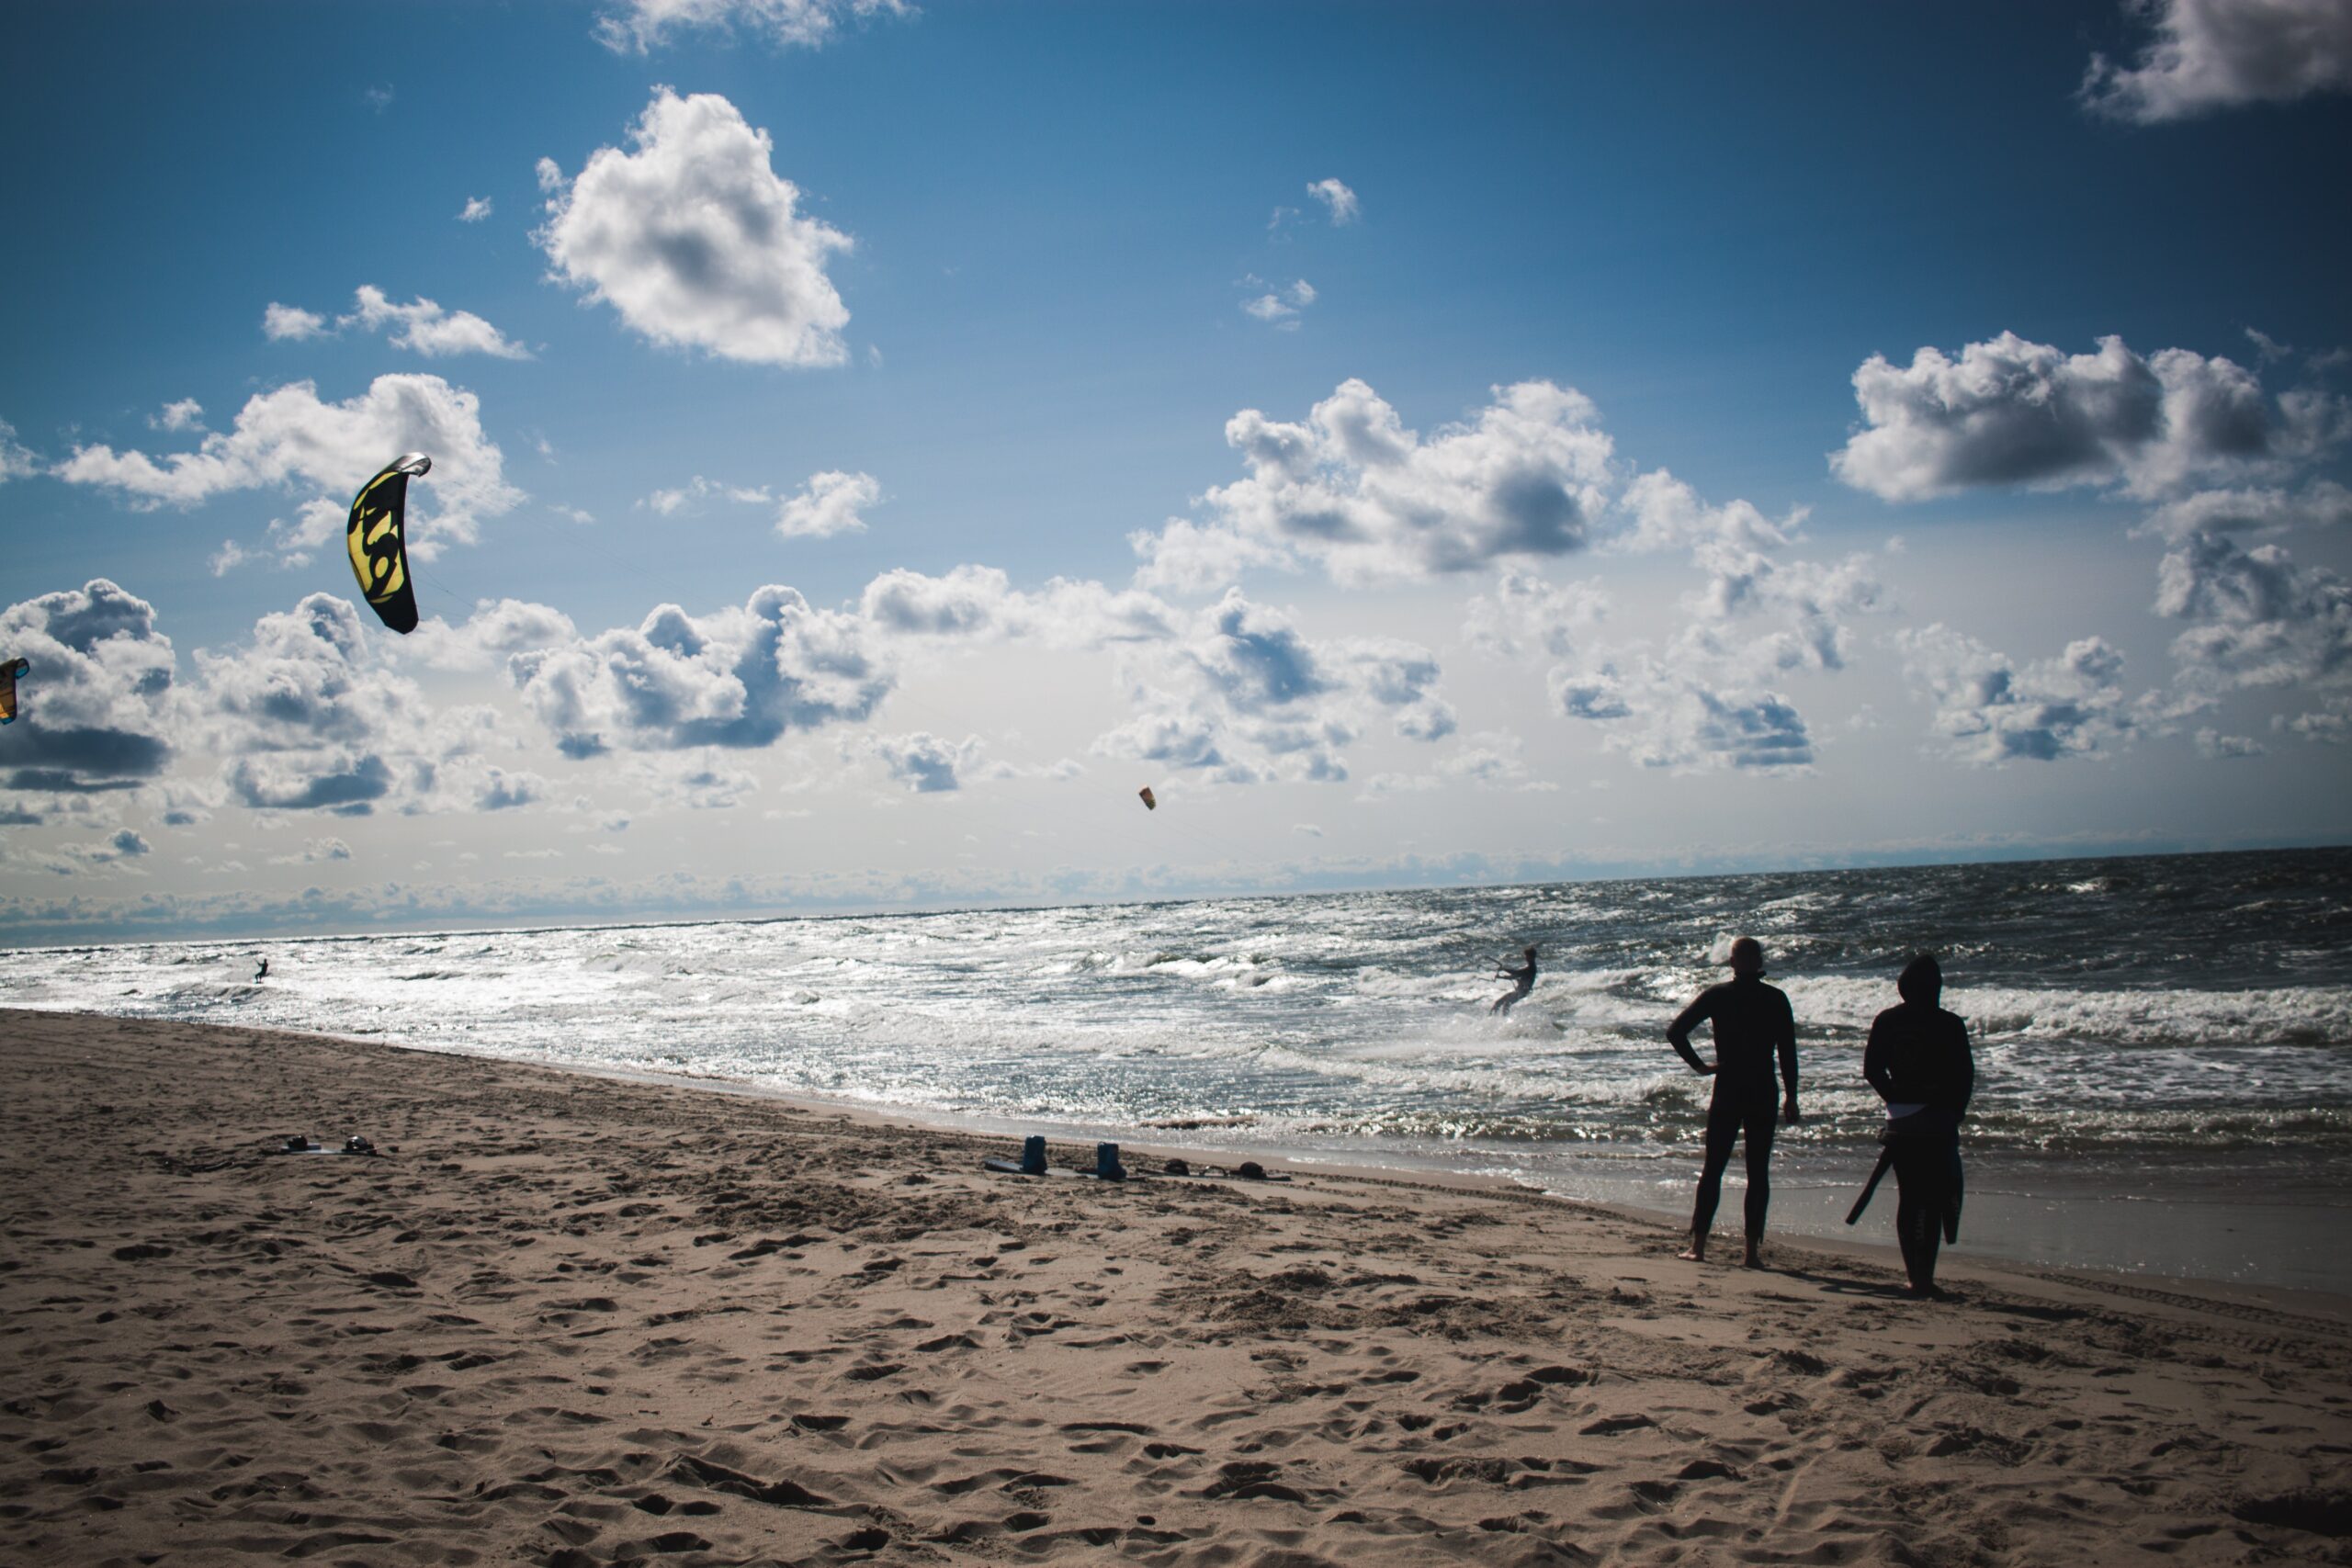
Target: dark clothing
column 1753, row 1027
column 1728, row 1119
column 1523, row 982
column 1919, row 1054
column 1753, row 1023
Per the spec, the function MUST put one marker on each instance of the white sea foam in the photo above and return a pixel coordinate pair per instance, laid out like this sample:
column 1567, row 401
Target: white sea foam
column 1366, row 1016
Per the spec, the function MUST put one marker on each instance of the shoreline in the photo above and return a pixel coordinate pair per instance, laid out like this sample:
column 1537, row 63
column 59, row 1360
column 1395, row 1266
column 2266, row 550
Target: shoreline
column 573, row 1319
column 2043, row 1227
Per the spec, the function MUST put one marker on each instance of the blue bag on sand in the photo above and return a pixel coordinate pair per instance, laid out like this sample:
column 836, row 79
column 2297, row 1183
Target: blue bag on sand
column 1106, row 1163
column 1033, row 1154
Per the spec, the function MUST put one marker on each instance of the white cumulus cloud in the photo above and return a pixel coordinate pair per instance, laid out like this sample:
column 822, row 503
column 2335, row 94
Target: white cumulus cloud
column 2008, row 411
column 2217, row 54
column 476, row 209
column 1351, row 490
column 96, row 709
column 307, row 714
column 694, row 239
column 738, row 678
column 289, row 436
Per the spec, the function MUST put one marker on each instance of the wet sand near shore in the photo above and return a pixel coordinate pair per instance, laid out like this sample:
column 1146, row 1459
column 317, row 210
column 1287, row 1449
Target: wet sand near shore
column 572, row 1320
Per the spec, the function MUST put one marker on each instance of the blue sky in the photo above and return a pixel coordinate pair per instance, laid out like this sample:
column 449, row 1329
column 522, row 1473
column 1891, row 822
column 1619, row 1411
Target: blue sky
column 1425, row 443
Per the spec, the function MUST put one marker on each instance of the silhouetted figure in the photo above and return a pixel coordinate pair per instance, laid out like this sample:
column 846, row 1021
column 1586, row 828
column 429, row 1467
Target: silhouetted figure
column 1753, row 1025
column 262, row 973
column 1918, row 1061
column 1523, row 981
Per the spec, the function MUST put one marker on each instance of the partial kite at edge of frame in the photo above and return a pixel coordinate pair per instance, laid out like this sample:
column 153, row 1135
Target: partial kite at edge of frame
column 10, row 669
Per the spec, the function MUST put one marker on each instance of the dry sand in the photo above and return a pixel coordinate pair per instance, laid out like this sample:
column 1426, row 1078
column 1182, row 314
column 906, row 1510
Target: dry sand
column 569, row 1320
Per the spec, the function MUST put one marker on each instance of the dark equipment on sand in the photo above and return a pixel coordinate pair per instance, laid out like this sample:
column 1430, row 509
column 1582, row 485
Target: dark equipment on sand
column 1032, row 1162
column 1885, row 1159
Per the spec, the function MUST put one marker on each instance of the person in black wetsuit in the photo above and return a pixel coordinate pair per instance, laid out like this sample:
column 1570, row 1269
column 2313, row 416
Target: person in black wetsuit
column 1918, row 1061
column 1753, row 1025
column 1523, row 981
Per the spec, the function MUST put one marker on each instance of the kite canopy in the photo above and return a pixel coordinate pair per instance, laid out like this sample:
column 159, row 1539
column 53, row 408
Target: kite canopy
column 1144, row 794
column 378, row 539
column 9, row 669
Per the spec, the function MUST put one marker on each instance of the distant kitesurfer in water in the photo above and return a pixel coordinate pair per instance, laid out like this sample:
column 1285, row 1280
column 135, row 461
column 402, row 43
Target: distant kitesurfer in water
column 1753, row 1024
column 1523, row 981
column 262, row 973
column 1918, row 1061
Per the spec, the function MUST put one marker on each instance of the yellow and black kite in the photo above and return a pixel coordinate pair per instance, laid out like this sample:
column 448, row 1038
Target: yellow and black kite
column 379, row 542
column 9, row 669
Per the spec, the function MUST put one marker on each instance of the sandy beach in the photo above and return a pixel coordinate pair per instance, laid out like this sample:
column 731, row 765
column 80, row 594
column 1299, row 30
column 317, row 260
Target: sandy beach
column 570, row 1320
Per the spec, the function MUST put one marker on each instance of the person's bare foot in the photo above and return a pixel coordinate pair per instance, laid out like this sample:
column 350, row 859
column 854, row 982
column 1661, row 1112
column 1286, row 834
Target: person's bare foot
column 1755, row 1258
column 1691, row 1255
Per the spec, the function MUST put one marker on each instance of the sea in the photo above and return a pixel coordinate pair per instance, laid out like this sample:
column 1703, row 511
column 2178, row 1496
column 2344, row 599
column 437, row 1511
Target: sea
column 2164, row 1043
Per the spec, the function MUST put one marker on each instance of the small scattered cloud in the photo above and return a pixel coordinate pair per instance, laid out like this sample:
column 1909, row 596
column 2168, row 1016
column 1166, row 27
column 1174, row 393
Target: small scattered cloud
column 1241, row 696
column 15, row 462
column 1991, row 710
column 476, row 209
column 2320, row 503
column 2258, row 620
column 291, row 323
column 694, row 239
column 185, row 414
column 1279, row 307
column 635, row 27
column 689, row 497
column 829, row 504
column 2214, row 746
column 2208, row 55
column 315, row 852
column 926, row 764
column 1336, row 199
column 423, row 327
column 378, row 98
